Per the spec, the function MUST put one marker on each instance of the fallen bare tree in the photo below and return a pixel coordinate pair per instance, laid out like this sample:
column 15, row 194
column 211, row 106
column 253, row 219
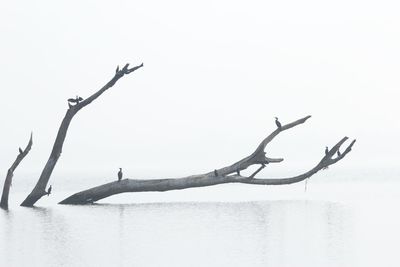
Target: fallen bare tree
column 75, row 104
column 10, row 174
column 229, row 174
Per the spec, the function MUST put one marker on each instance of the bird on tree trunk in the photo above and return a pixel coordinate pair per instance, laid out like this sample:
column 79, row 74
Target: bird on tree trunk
column 49, row 191
column 120, row 174
column 75, row 100
column 278, row 123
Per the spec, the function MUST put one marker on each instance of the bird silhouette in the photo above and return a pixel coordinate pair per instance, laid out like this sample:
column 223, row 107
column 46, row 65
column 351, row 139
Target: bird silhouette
column 75, row 100
column 278, row 123
column 120, row 174
column 49, row 190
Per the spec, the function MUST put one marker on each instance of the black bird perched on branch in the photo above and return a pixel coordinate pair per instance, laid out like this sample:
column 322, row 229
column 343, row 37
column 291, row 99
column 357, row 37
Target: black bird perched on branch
column 75, row 100
column 49, row 191
column 20, row 151
column 278, row 123
column 120, row 174
column 215, row 173
column 326, row 154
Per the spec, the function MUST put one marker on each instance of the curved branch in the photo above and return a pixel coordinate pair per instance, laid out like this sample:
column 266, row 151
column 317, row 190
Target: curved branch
column 208, row 179
column 258, row 156
column 10, row 173
column 326, row 161
column 40, row 189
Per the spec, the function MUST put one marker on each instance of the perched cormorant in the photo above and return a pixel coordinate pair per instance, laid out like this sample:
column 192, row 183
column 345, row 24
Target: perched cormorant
column 20, row 151
column 326, row 150
column 120, row 174
column 49, row 191
column 278, row 123
column 215, row 173
column 75, row 100
column 338, row 153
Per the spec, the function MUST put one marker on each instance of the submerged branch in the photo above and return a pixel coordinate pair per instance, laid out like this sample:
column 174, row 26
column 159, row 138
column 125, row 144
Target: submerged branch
column 219, row 176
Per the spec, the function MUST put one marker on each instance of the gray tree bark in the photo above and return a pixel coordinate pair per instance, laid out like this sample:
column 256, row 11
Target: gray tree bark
column 10, row 174
column 40, row 189
column 229, row 174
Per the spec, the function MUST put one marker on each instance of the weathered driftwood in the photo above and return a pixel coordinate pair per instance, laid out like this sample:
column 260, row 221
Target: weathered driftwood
column 10, row 174
column 229, row 174
column 39, row 190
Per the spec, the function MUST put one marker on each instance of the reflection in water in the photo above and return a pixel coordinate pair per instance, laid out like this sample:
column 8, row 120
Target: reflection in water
column 267, row 233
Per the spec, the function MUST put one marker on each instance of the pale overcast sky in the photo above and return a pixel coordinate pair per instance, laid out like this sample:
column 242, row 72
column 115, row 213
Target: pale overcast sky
column 215, row 75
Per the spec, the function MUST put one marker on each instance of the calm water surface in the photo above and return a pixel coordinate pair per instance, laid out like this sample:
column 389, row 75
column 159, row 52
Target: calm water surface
column 344, row 223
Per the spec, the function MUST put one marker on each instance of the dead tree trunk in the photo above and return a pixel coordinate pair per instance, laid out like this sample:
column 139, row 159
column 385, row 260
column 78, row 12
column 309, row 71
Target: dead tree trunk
column 229, row 174
column 10, row 174
column 40, row 189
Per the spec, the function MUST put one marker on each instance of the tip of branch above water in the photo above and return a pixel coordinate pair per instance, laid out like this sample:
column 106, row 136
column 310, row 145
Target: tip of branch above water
column 306, row 118
column 126, row 70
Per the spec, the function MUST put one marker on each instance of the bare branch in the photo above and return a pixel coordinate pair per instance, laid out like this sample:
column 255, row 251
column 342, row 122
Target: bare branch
column 40, row 188
column 10, row 173
column 326, row 161
column 258, row 156
column 118, row 75
column 219, row 176
column 257, row 171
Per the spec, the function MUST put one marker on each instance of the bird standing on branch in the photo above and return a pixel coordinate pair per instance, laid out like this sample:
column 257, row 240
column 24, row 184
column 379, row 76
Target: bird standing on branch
column 48, row 191
column 278, row 123
column 120, row 174
column 75, row 100
column 326, row 154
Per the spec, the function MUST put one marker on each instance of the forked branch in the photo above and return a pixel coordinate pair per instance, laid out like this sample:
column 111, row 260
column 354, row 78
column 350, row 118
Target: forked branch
column 229, row 174
column 326, row 161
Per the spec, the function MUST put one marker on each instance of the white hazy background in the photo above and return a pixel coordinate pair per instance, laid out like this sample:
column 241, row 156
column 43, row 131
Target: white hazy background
column 215, row 74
